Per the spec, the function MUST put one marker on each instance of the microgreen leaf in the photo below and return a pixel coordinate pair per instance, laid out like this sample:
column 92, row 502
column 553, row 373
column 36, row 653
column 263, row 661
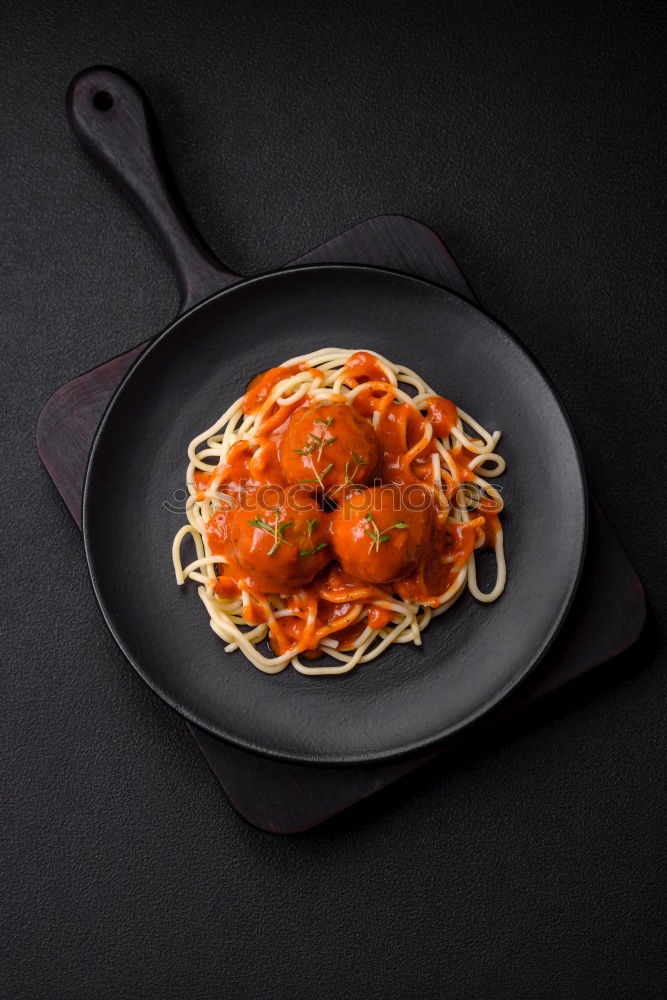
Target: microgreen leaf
column 277, row 530
column 311, row 552
column 374, row 532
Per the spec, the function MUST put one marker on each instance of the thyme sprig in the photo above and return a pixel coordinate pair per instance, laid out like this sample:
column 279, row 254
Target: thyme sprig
column 319, row 476
column 277, row 530
column 358, row 460
column 373, row 531
column 316, row 443
column 311, row 552
column 310, row 527
column 320, row 444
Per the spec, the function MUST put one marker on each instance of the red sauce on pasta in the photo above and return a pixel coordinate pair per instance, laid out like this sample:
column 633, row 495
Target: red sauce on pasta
column 334, row 505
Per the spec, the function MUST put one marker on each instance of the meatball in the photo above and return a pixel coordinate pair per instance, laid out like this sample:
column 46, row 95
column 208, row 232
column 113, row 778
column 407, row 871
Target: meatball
column 380, row 534
column 271, row 548
column 327, row 445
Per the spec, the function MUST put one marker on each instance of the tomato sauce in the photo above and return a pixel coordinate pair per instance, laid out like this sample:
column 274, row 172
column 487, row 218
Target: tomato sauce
column 261, row 385
column 333, row 561
column 364, row 367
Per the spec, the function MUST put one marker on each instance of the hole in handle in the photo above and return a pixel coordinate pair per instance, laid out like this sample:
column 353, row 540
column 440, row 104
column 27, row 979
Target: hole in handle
column 103, row 100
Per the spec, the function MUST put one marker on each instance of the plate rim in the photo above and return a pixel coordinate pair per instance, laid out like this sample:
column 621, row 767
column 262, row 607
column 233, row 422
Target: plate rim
column 365, row 757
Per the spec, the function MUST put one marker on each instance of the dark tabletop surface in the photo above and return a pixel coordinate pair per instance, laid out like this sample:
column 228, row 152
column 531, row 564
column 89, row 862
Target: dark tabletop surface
column 531, row 865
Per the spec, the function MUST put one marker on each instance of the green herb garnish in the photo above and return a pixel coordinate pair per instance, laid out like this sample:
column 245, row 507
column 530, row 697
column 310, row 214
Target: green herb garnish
column 316, row 443
column 319, row 476
column 277, row 530
column 373, row 531
column 319, row 444
column 311, row 552
column 358, row 460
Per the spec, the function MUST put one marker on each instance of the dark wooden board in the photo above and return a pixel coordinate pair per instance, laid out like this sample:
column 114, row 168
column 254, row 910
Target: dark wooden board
column 607, row 616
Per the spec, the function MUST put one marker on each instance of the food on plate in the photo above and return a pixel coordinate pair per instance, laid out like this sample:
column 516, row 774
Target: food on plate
column 335, row 509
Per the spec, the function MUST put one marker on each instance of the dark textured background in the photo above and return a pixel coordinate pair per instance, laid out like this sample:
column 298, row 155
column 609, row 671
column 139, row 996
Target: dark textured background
column 528, row 135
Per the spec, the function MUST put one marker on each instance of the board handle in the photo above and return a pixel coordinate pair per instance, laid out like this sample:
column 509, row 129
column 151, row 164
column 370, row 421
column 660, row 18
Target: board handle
column 113, row 120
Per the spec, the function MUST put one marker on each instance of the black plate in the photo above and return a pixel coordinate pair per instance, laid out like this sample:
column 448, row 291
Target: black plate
column 408, row 698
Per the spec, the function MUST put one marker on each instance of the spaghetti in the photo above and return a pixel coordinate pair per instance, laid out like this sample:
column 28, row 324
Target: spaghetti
column 335, row 509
